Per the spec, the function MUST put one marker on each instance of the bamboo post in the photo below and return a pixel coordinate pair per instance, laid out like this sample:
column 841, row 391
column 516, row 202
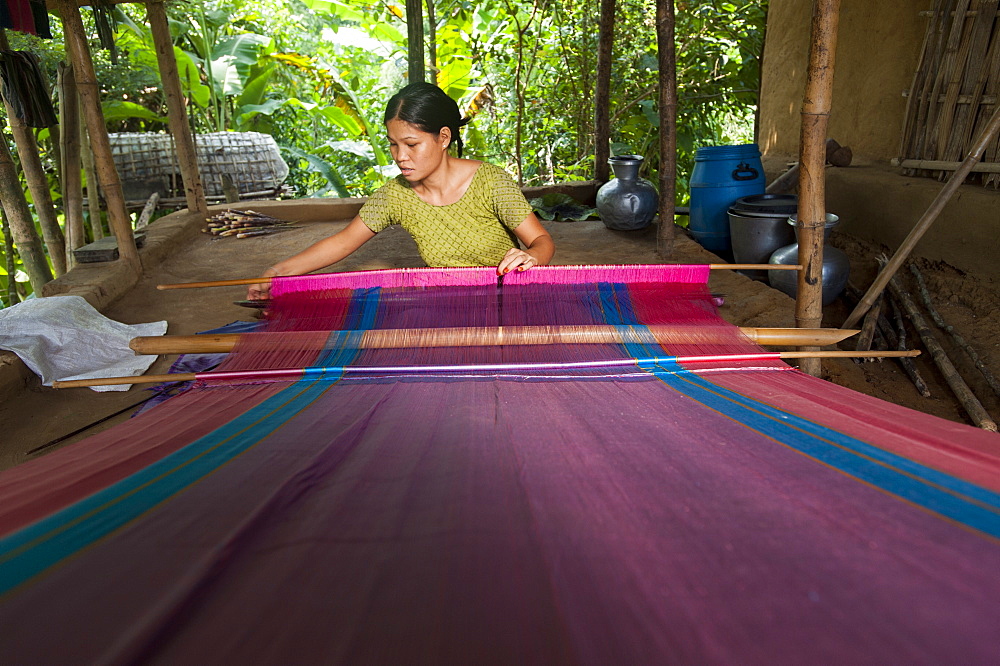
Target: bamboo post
column 667, row 55
column 415, row 41
column 194, row 191
column 925, row 222
column 602, row 92
column 22, row 225
column 38, row 185
column 812, row 160
column 72, row 183
column 965, row 396
column 86, row 81
column 8, row 254
column 93, row 189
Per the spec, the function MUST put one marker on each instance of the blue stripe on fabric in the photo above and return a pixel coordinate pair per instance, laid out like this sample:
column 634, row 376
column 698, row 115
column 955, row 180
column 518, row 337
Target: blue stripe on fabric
column 932, row 489
column 33, row 549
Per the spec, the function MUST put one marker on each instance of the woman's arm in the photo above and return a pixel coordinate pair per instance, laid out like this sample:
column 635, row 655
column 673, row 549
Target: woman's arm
column 538, row 244
column 322, row 253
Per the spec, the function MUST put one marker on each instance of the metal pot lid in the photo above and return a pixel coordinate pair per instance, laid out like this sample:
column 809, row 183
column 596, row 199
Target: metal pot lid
column 767, row 205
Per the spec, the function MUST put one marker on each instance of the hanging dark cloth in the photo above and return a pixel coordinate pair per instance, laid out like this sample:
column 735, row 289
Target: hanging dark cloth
column 25, row 88
column 41, row 17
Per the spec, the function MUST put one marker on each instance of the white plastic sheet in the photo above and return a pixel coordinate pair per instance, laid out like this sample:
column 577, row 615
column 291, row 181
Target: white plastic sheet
column 64, row 337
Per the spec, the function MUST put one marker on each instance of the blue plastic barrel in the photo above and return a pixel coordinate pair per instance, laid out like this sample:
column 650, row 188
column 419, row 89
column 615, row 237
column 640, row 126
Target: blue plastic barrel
column 721, row 175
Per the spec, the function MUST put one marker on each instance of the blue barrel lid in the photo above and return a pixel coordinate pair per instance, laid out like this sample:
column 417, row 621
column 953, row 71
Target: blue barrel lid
column 743, row 151
column 766, row 205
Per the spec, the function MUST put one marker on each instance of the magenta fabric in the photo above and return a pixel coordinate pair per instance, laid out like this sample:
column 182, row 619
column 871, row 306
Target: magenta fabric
column 747, row 514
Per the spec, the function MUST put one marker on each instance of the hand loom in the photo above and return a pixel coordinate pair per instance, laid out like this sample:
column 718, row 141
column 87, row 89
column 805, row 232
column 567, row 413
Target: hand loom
column 603, row 503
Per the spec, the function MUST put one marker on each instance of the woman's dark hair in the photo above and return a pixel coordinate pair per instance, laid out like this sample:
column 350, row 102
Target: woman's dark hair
column 427, row 107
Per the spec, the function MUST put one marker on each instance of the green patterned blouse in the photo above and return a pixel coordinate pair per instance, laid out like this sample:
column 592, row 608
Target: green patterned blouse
column 476, row 230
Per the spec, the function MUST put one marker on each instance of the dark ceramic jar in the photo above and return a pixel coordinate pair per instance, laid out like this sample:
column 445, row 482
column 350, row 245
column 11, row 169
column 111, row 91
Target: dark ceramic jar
column 627, row 202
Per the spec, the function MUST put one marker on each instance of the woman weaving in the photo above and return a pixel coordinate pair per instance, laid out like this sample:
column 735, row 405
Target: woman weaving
column 460, row 212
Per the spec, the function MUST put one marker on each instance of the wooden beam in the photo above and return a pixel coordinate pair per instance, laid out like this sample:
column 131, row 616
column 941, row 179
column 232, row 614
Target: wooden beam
column 479, row 337
column 90, row 96
column 187, row 157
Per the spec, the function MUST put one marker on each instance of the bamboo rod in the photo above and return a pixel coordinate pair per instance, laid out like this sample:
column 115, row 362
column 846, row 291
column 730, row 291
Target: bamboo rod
column 812, row 161
column 482, row 336
column 299, row 373
column 943, row 165
column 264, row 280
column 925, row 222
column 177, row 119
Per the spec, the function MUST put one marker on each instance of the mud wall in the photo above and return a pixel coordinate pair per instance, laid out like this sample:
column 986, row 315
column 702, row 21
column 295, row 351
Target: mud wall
column 878, row 48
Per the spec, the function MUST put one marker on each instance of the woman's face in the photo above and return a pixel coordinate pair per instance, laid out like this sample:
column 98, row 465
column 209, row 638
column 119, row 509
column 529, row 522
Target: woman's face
column 417, row 153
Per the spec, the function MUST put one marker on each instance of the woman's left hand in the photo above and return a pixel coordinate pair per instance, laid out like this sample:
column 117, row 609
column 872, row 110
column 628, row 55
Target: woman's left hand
column 516, row 259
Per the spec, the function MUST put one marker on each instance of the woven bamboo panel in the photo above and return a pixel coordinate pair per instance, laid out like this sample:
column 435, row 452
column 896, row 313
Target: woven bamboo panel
column 955, row 88
column 147, row 163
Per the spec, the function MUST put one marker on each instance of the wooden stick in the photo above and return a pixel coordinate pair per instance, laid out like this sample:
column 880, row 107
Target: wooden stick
column 147, row 211
column 295, row 373
column 897, row 338
column 264, row 280
column 960, row 341
column 480, row 336
column 925, row 222
column 868, row 330
column 965, row 396
column 667, row 57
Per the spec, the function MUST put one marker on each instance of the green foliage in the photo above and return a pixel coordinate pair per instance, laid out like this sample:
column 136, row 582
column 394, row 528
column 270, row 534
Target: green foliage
column 315, row 74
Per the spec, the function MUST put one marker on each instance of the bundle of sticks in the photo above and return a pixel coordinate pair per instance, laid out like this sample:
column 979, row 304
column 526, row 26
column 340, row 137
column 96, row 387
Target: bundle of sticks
column 245, row 224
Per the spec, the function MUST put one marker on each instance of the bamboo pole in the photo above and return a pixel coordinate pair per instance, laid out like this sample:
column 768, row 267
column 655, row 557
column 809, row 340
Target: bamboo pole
column 147, row 211
column 38, row 185
column 812, row 160
column 86, row 81
column 925, row 222
column 13, row 298
column 602, row 92
column 298, row 373
column 22, row 225
column 667, row 55
column 965, row 396
column 93, row 189
column 72, row 183
column 187, row 157
column 480, row 337
column 267, row 280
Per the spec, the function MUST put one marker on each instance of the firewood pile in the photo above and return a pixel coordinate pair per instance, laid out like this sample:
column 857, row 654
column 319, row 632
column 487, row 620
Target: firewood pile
column 245, row 224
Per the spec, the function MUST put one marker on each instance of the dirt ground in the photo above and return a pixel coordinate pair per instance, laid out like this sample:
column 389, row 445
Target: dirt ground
column 39, row 419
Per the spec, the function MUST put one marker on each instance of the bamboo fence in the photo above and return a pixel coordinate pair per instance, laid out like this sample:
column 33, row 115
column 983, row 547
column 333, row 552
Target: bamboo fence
column 954, row 91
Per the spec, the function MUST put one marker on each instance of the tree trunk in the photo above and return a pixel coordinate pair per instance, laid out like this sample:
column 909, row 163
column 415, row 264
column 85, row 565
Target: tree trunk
column 415, row 40
column 812, row 159
column 38, row 185
column 432, row 57
column 194, row 191
column 86, row 81
column 72, row 184
column 22, row 225
column 8, row 255
column 668, row 124
column 602, row 92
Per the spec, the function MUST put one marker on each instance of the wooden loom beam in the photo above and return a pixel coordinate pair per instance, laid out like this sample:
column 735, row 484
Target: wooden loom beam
column 483, row 336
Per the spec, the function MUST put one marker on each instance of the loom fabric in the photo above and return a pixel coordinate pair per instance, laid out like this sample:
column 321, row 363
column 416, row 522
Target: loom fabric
column 476, row 230
column 741, row 515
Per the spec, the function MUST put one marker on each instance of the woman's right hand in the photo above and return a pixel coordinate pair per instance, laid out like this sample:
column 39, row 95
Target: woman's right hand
column 262, row 290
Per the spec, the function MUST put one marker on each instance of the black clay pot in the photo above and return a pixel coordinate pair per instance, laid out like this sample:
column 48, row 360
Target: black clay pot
column 628, row 202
